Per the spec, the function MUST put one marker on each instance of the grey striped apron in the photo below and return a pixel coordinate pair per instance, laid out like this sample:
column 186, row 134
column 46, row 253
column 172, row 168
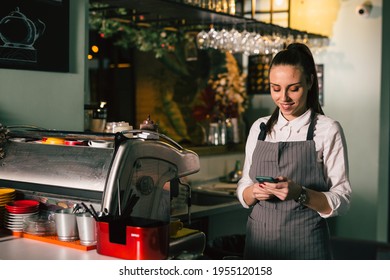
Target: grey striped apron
column 285, row 229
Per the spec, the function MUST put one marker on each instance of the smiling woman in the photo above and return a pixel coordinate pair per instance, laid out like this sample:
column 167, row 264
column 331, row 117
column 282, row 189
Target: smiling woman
column 306, row 152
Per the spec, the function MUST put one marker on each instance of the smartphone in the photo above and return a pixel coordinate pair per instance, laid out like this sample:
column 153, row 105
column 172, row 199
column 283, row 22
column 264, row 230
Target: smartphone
column 262, row 179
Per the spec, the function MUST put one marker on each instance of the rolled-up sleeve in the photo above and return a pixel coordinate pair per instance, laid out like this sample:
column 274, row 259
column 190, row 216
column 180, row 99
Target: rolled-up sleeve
column 336, row 171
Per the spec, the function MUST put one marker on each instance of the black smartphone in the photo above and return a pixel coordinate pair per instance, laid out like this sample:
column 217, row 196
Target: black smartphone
column 262, row 179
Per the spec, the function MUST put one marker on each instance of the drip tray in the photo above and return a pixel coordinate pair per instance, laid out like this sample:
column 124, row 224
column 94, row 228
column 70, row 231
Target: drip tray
column 192, row 244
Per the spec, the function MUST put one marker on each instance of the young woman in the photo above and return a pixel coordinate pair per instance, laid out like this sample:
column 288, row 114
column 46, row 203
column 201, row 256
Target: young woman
column 306, row 153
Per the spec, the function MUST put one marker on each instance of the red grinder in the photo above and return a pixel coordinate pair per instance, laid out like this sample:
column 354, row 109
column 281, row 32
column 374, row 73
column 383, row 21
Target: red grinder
column 133, row 238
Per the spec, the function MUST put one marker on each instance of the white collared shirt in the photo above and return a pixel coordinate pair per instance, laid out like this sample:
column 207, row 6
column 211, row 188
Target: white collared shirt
column 331, row 151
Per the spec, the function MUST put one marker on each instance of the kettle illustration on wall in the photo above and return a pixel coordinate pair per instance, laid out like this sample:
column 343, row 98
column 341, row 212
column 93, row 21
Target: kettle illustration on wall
column 19, row 33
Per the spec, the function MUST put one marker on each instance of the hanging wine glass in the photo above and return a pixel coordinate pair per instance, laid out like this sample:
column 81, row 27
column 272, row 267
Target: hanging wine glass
column 276, row 43
column 244, row 40
column 213, row 35
column 222, row 39
column 258, row 47
column 299, row 39
column 235, row 36
column 290, row 39
column 229, row 42
column 267, row 44
column 250, row 44
column 202, row 40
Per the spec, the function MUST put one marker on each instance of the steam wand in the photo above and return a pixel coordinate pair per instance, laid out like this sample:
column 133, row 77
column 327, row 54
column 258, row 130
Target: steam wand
column 189, row 203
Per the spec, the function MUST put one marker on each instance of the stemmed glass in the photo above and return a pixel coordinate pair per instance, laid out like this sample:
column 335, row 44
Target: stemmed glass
column 244, row 40
column 233, row 42
column 213, row 36
column 253, row 43
column 258, row 46
column 277, row 43
column 222, row 40
column 202, row 40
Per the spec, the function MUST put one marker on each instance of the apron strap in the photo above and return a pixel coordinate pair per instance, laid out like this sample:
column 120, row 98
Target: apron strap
column 263, row 132
column 310, row 131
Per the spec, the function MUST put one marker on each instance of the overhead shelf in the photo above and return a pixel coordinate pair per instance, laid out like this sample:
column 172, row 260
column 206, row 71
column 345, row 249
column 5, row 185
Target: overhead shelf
column 171, row 10
column 176, row 13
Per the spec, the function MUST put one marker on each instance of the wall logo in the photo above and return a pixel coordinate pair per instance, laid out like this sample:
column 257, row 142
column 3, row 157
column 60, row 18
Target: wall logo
column 19, row 34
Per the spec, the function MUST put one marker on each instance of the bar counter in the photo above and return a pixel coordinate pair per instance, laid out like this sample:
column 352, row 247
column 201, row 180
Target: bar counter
column 19, row 248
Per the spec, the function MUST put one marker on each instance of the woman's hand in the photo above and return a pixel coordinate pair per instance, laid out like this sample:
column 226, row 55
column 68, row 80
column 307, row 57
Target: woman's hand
column 284, row 189
column 261, row 193
column 254, row 193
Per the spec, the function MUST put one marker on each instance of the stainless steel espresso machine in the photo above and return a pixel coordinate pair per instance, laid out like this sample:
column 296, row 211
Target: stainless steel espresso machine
column 133, row 181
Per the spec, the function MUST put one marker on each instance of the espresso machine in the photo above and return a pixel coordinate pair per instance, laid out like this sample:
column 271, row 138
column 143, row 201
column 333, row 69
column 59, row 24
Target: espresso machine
column 133, row 182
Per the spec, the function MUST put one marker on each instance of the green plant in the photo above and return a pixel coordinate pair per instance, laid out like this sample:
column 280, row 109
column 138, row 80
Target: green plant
column 143, row 36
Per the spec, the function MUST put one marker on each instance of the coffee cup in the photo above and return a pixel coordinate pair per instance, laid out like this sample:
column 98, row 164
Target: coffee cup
column 66, row 225
column 123, row 126
column 86, row 226
column 174, row 226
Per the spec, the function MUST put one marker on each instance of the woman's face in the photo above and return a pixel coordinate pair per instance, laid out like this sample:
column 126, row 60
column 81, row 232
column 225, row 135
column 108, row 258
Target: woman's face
column 289, row 90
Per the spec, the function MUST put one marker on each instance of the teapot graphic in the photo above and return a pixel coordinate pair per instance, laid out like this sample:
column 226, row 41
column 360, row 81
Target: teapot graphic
column 17, row 31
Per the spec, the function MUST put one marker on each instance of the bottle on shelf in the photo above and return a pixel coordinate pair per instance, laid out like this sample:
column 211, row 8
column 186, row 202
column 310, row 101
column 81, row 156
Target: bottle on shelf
column 236, row 174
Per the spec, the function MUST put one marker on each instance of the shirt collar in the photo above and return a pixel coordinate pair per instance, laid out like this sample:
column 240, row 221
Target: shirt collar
column 296, row 123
